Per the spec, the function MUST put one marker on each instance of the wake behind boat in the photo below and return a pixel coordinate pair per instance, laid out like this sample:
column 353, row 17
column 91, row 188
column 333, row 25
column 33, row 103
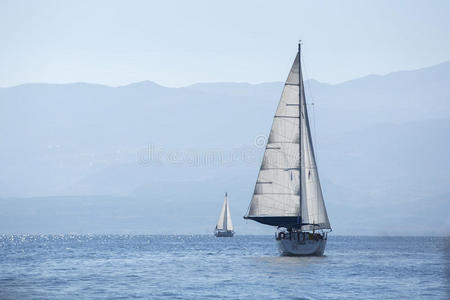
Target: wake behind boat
column 287, row 192
column 224, row 227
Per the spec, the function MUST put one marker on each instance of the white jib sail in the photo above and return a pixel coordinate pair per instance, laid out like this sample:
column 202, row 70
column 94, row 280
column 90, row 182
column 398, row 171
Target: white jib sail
column 313, row 206
column 224, row 222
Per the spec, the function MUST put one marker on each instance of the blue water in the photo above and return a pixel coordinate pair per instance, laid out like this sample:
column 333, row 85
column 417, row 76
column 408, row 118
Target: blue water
column 205, row 267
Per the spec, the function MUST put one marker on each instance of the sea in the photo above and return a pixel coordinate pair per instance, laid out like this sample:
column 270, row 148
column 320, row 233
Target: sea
column 206, row 267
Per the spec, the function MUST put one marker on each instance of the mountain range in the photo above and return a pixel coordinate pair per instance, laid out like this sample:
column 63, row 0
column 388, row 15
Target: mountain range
column 143, row 158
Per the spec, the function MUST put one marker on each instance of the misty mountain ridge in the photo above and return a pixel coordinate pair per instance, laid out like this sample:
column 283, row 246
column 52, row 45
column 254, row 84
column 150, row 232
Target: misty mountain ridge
column 381, row 143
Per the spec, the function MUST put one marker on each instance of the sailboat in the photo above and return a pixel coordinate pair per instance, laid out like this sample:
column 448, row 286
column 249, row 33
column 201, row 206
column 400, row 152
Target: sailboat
column 224, row 227
column 287, row 191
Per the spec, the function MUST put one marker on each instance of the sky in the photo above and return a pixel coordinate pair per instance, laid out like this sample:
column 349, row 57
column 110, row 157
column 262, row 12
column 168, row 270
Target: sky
column 178, row 43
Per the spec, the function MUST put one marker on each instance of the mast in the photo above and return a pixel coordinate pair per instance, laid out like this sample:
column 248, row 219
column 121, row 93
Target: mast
column 300, row 107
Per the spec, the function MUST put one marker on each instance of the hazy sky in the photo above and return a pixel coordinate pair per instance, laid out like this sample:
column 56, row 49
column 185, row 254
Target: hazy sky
column 177, row 43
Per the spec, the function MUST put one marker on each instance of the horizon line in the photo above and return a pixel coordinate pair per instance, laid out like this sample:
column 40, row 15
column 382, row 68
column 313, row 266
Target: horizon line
column 223, row 82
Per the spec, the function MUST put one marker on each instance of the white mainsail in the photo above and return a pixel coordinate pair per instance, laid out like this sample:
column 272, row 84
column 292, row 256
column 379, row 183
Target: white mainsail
column 288, row 190
column 224, row 222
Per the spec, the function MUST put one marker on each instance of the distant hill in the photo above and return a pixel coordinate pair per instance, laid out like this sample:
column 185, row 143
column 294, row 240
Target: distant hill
column 152, row 155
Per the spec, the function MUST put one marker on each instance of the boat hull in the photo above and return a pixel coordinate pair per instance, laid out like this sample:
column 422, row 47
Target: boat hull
column 228, row 233
column 301, row 247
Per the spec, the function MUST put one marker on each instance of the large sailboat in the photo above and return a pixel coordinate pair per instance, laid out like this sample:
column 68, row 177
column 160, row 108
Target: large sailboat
column 287, row 192
column 224, row 227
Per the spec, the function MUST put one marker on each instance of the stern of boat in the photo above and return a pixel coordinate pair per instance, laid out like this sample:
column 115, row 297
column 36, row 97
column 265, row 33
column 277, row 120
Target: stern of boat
column 301, row 243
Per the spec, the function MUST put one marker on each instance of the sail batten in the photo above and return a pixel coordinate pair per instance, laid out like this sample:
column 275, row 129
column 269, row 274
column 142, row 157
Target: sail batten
column 287, row 191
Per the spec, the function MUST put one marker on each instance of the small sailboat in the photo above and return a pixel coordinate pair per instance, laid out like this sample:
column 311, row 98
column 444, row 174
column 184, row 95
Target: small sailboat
column 287, row 192
column 224, row 227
